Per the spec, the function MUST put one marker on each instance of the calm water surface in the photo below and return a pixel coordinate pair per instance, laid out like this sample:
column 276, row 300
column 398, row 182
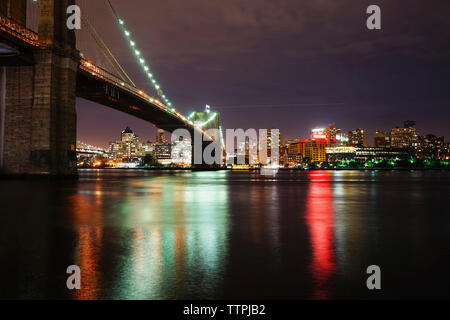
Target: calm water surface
column 211, row 235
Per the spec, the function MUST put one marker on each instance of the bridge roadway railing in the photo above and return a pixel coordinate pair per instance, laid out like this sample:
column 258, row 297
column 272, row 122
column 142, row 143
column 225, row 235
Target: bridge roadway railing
column 19, row 31
column 109, row 77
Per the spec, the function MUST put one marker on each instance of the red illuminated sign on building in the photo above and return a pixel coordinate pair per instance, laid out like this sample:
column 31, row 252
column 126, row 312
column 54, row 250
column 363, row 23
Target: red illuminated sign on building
column 319, row 134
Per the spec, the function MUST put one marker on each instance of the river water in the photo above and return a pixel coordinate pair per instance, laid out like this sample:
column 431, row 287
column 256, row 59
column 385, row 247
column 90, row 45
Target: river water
column 239, row 235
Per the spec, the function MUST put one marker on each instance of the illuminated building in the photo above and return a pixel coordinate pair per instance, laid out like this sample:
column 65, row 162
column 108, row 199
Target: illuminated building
column 148, row 147
column 370, row 153
column 446, row 153
column 365, row 153
column 333, row 132
column 382, row 139
column 163, row 152
column 341, row 139
column 340, row 153
column 296, row 147
column 284, row 155
column 315, row 150
column 161, row 136
column 129, row 136
column 335, row 135
column 430, row 146
column 320, row 133
column 405, row 137
column 295, row 152
column 357, row 138
column 127, row 149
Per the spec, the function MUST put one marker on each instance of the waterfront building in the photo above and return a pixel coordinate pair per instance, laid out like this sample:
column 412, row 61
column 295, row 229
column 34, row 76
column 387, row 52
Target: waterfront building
column 127, row 148
column 382, row 139
column 163, row 152
column 148, row 147
column 295, row 151
column 284, row 161
column 365, row 153
column 340, row 153
column 321, row 134
column 357, row 138
column 430, row 146
column 296, row 147
column 315, row 150
column 370, row 153
column 405, row 137
column 446, row 153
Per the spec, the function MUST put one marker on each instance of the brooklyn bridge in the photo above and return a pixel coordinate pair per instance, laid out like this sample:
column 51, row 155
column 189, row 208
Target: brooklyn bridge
column 42, row 72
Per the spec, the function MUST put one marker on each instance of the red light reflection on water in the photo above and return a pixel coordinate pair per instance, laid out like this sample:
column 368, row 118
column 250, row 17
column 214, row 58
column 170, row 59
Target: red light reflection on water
column 319, row 219
column 87, row 218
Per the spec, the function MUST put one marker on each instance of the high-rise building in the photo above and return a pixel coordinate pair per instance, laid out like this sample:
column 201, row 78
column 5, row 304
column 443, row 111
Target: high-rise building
column 295, row 151
column 315, row 150
column 161, row 136
column 333, row 132
column 163, row 151
column 148, row 147
column 357, row 138
column 296, row 147
column 128, row 135
column 127, row 148
column 382, row 139
column 284, row 155
column 406, row 137
column 336, row 136
column 321, row 134
column 430, row 146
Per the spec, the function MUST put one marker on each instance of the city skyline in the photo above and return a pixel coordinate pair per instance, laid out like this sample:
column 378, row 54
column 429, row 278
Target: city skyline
column 277, row 74
column 154, row 131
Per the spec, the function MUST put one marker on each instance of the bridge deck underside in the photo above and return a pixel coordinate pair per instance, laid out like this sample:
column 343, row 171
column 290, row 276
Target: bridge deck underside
column 14, row 51
column 96, row 90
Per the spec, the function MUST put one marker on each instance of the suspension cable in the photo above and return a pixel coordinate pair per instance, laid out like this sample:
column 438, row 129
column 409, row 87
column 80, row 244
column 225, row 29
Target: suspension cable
column 98, row 39
column 102, row 50
column 146, row 68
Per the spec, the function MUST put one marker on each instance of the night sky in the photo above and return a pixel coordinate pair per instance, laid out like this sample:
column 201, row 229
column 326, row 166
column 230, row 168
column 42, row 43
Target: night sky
column 287, row 64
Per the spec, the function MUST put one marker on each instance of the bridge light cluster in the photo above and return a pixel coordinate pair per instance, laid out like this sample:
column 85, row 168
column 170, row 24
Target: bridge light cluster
column 145, row 67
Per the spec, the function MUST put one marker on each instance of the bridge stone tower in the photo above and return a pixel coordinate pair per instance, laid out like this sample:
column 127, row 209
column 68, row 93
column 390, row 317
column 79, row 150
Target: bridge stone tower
column 38, row 125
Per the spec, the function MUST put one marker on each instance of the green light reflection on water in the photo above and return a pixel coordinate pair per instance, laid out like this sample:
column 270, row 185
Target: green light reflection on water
column 178, row 237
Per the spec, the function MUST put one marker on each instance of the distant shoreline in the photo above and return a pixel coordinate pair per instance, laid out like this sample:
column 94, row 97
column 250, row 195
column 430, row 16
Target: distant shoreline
column 76, row 176
column 281, row 169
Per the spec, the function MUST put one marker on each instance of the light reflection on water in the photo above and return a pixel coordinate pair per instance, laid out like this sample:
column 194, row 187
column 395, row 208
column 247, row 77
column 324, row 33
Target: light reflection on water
column 175, row 238
column 175, row 235
column 319, row 218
